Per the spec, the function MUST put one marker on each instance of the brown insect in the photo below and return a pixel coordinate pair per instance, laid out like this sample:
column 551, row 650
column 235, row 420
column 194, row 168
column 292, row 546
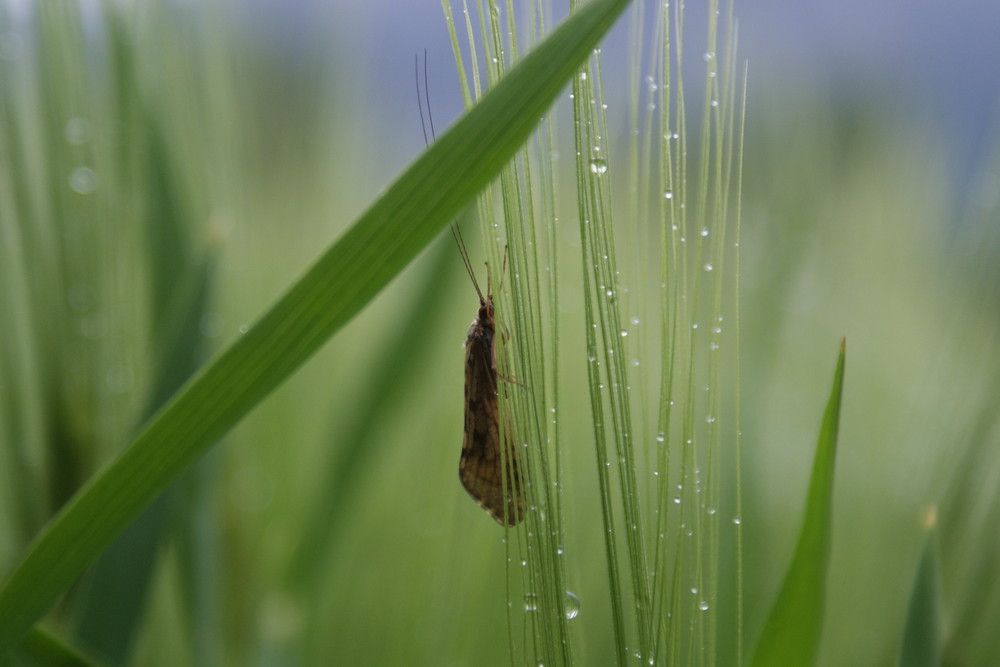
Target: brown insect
column 489, row 474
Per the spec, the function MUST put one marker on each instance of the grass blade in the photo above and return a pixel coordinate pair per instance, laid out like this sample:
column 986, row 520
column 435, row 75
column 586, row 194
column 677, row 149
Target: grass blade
column 792, row 632
column 374, row 250
column 921, row 643
column 41, row 647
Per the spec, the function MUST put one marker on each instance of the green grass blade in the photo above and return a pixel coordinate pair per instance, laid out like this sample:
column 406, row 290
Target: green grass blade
column 792, row 632
column 921, row 646
column 345, row 278
column 41, row 647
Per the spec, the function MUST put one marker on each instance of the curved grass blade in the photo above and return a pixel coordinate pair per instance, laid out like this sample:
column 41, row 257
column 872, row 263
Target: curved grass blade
column 921, row 643
column 792, row 632
column 382, row 241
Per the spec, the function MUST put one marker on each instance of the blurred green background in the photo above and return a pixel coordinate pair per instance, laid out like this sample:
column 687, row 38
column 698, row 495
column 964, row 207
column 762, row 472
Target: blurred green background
column 166, row 170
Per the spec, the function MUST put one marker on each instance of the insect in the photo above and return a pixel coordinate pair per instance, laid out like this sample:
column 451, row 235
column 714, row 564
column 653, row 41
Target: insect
column 489, row 474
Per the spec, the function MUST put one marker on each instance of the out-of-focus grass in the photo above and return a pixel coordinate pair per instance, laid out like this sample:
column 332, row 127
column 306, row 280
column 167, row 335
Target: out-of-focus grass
column 853, row 226
column 791, row 635
column 874, row 238
column 396, row 226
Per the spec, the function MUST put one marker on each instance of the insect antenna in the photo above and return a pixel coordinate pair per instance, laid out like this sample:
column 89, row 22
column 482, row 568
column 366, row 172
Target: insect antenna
column 423, row 102
column 460, row 242
column 426, row 100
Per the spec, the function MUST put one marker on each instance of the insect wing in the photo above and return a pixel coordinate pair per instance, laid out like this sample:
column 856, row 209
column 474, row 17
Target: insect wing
column 481, row 467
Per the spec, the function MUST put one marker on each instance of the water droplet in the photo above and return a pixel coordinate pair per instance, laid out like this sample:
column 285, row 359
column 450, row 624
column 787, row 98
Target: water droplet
column 583, row 76
column 94, row 327
column 737, row 520
column 77, row 131
column 572, row 605
column 677, row 500
column 703, row 605
column 667, row 194
column 624, row 333
column 660, row 437
column 708, row 266
column 704, row 232
column 211, row 325
column 598, row 166
column 83, row 180
column 530, row 602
